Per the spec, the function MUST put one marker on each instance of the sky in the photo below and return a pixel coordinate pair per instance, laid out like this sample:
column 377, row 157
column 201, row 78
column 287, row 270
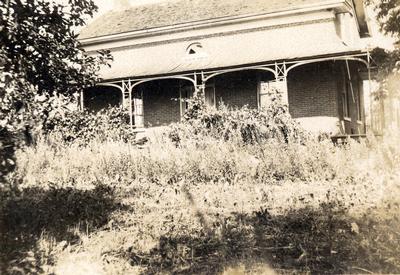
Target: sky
column 378, row 39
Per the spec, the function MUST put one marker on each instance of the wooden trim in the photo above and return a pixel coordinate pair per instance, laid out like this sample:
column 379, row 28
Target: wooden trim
column 265, row 66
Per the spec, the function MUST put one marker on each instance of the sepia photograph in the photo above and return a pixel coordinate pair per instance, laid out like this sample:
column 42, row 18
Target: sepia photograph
column 225, row 137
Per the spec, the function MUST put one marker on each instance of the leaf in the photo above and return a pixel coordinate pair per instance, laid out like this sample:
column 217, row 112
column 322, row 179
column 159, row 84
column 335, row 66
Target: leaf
column 354, row 228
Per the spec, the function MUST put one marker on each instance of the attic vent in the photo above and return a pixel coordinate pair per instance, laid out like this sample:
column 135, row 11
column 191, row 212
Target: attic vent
column 194, row 49
column 195, row 52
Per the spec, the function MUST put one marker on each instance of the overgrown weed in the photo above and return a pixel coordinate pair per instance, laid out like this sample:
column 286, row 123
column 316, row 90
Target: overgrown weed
column 205, row 205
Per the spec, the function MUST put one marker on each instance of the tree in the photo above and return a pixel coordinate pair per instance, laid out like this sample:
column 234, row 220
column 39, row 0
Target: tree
column 40, row 59
column 388, row 17
column 388, row 64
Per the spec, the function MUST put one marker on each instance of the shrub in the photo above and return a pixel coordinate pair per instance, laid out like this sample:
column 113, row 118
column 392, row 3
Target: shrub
column 7, row 154
column 245, row 125
column 82, row 126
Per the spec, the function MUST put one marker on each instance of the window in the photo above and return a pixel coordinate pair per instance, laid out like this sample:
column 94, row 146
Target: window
column 185, row 92
column 265, row 94
column 346, row 99
column 209, row 93
column 347, row 94
column 195, row 51
column 194, row 48
column 137, row 108
column 269, row 90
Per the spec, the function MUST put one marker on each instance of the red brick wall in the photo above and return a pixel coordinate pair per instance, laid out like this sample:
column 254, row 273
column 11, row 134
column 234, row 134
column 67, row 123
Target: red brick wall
column 159, row 102
column 313, row 91
column 316, row 90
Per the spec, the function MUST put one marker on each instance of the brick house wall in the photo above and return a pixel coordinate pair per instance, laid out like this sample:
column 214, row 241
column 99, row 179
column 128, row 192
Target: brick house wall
column 160, row 102
column 315, row 92
column 312, row 91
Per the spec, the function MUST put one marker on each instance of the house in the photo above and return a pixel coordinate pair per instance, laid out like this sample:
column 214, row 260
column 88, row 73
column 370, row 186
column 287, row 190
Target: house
column 236, row 52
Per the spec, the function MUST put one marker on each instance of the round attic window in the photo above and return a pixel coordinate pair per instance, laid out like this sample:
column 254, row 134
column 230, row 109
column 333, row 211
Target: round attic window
column 195, row 49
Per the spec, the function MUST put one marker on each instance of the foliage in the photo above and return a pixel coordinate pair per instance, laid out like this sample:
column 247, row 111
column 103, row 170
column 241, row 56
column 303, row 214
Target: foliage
column 388, row 16
column 244, row 125
column 196, row 106
column 388, row 72
column 40, row 58
column 40, row 53
column 39, row 41
column 7, row 154
column 210, row 204
column 83, row 127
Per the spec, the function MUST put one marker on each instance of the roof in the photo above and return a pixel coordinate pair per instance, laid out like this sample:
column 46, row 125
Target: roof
column 298, row 41
column 175, row 12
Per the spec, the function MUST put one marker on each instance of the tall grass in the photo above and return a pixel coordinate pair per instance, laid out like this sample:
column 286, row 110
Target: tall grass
column 225, row 191
column 204, row 206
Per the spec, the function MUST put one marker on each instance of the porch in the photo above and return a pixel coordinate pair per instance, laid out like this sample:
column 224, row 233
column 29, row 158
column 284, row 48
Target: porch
column 324, row 94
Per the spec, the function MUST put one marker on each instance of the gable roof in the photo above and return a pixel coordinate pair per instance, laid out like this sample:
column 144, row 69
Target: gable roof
column 175, row 12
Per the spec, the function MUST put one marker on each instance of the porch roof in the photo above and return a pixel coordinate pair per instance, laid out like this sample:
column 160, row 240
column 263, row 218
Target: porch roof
column 175, row 12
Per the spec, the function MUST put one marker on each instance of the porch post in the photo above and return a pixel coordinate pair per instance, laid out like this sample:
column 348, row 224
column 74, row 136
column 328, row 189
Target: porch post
column 126, row 88
column 130, row 107
column 371, row 116
column 281, row 82
column 81, row 101
column 200, row 86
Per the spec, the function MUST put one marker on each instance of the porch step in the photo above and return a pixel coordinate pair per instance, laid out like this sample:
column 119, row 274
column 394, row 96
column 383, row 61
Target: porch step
column 339, row 139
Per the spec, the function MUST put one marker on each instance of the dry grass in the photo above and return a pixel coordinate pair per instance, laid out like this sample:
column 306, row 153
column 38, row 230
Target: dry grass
column 205, row 207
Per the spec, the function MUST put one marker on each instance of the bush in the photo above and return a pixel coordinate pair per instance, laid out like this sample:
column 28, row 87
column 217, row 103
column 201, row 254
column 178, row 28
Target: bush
column 244, row 125
column 82, row 127
column 7, row 154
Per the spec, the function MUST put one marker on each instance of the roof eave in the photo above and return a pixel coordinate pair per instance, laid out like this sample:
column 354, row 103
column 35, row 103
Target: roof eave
column 339, row 5
column 320, row 58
